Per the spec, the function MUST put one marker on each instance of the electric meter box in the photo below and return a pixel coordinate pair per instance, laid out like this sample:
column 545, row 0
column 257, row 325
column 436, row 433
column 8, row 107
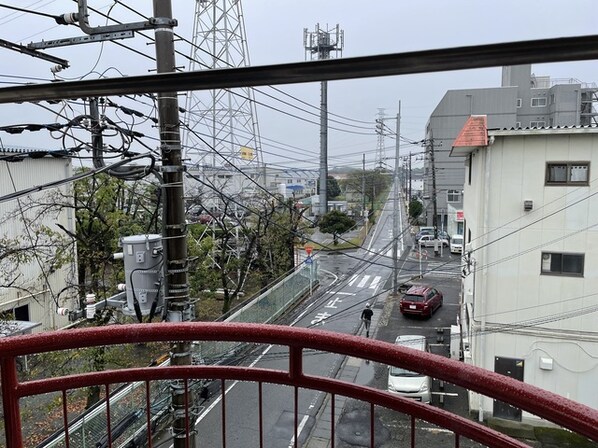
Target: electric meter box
column 143, row 269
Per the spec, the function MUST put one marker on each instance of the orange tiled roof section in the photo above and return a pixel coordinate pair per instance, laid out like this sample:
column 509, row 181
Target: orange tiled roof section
column 473, row 133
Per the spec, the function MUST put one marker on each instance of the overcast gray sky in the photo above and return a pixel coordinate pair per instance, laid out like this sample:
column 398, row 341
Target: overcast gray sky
column 275, row 35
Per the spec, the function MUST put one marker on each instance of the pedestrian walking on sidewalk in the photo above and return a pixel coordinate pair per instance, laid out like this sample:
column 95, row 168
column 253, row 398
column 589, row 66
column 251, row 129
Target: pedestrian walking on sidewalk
column 366, row 317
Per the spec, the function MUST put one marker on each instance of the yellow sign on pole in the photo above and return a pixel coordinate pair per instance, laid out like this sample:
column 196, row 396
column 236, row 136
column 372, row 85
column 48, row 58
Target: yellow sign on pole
column 246, row 153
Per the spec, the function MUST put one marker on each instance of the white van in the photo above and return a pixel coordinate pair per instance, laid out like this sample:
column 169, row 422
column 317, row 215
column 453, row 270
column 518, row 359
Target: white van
column 457, row 244
column 405, row 382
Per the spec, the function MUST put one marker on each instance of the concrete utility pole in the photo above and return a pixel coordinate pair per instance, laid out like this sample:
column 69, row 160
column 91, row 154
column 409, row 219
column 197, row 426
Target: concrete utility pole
column 363, row 186
column 321, row 43
column 176, row 286
column 409, row 194
column 434, row 201
column 396, row 211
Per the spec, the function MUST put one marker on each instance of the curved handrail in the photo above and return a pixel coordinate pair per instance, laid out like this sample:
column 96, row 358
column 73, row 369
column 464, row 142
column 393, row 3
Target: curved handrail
column 572, row 415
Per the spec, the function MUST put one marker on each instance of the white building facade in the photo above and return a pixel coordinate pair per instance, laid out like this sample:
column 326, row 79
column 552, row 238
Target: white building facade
column 33, row 290
column 530, row 288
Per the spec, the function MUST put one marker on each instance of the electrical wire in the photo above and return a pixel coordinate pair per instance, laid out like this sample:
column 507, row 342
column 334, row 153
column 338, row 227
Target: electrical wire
column 90, row 173
column 33, row 12
column 476, row 249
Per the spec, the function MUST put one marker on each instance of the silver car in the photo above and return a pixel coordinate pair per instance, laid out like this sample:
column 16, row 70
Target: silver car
column 429, row 241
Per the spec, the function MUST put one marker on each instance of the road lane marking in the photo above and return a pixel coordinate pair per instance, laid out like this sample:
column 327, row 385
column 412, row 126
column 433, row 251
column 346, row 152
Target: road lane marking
column 333, row 303
column 363, row 281
column 375, row 282
column 353, row 279
column 219, row 398
column 320, row 318
column 299, row 429
column 258, row 359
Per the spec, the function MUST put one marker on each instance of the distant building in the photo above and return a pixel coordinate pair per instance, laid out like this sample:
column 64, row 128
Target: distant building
column 524, row 100
column 35, row 291
column 530, row 288
column 212, row 185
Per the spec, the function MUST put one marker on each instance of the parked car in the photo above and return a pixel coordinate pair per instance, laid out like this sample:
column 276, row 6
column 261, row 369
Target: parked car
column 421, row 233
column 444, row 235
column 429, row 241
column 421, row 300
column 430, row 231
column 405, row 382
column 457, row 244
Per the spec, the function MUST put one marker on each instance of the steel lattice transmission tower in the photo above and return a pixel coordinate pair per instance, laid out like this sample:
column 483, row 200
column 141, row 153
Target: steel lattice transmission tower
column 222, row 124
column 380, row 150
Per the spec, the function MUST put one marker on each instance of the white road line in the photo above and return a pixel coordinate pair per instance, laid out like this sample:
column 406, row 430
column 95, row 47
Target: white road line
column 375, row 282
column 332, row 274
column 341, row 293
column 363, row 281
column 353, row 279
column 258, row 359
column 299, row 429
column 219, row 398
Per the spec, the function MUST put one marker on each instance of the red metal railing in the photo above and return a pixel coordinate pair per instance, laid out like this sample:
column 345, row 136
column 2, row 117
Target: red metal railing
column 574, row 416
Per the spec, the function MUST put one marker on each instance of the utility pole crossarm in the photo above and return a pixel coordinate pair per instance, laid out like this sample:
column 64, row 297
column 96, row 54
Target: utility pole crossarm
column 82, row 18
column 32, row 52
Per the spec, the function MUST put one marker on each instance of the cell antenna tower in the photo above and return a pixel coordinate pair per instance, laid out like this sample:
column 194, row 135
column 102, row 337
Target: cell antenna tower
column 322, row 44
column 222, row 124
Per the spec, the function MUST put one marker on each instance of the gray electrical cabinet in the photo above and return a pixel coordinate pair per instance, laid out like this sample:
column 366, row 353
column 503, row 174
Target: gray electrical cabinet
column 143, row 259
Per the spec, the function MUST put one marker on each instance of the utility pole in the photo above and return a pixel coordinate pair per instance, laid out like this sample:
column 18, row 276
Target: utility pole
column 321, row 43
column 434, row 201
column 363, row 185
column 396, row 211
column 176, row 286
column 409, row 195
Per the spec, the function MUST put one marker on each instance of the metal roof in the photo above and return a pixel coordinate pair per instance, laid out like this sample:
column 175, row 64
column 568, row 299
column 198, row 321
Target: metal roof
column 464, row 146
column 547, row 130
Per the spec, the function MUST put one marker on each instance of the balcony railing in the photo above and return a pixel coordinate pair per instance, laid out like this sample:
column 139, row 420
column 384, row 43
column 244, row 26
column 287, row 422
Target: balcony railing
column 562, row 412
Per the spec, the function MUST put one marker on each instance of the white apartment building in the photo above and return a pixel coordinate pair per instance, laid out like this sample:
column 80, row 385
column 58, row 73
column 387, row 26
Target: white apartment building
column 530, row 287
column 33, row 291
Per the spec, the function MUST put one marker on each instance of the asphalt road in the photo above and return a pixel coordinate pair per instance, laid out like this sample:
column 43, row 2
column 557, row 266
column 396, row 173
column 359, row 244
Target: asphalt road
column 349, row 281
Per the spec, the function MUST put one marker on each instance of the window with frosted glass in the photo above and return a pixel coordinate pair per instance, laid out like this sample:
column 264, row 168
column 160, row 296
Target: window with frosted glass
column 567, row 173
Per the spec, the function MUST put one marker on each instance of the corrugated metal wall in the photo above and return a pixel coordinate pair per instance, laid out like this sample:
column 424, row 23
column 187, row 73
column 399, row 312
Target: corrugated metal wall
column 39, row 293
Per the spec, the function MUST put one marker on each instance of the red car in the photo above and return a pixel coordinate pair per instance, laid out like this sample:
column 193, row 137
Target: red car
column 421, row 300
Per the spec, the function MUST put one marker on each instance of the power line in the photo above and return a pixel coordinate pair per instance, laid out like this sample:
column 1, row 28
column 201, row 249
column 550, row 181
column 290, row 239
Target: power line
column 58, row 19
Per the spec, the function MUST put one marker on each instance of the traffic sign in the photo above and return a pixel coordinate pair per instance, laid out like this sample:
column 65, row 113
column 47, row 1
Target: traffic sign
column 308, row 249
column 309, row 260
